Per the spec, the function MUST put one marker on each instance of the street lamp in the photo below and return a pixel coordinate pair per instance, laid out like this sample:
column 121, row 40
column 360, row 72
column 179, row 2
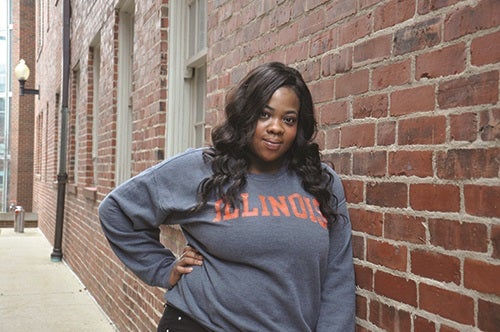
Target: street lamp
column 22, row 72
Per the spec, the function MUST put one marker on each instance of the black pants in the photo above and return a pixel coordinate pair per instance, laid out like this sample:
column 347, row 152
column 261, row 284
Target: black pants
column 174, row 320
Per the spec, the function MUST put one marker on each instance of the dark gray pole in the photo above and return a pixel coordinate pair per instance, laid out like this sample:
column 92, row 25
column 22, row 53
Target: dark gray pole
column 62, row 176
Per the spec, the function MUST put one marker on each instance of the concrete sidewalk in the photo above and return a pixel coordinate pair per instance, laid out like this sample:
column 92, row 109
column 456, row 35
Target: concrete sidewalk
column 37, row 294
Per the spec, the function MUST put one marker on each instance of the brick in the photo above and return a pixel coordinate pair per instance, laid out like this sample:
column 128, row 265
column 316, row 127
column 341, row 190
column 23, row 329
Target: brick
column 421, row 324
column 361, row 135
column 358, row 247
column 354, row 29
column 455, row 235
column 495, row 241
column 367, row 222
column 367, row 3
column 394, row 74
column 406, row 228
column 427, row 6
column 489, row 125
column 482, row 200
column 484, row 50
column 463, row 127
column 482, row 276
column 397, row 288
column 354, row 190
column 388, row 194
column 436, row 266
column 488, row 315
column 369, row 163
column 333, row 113
column 386, row 133
column 413, row 100
column 410, row 163
column 322, row 91
column 322, row 43
column 446, row 303
column 428, row 197
column 386, row 254
column 342, row 162
column 361, row 307
column 335, row 63
column 446, row 328
column 467, row 20
column 338, row 10
column 311, row 71
column 458, row 164
column 288, row 35
column 375, row 106
column 442, row 62
column 392, row 13
column 468, row 91
column 422, row 130
column 332, row 138
column 364, row 277
column 311, row 23
column 389, row 318
column 417, row 37
column 372, row 50
column 297, row 52
column 352, row 83
column 320, row 139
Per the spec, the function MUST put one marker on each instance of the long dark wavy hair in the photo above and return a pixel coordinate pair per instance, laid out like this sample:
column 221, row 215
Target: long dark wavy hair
column 230, row 153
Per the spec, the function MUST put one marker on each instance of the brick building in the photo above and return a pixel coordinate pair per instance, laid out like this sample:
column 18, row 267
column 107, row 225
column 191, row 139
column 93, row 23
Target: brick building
column 407, row 98
column 22, row 108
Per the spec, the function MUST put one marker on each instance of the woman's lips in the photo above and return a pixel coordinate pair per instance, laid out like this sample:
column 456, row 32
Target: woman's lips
column 272, row 145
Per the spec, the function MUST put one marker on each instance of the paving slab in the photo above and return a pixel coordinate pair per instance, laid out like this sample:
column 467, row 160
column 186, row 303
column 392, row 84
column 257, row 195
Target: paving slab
column 37, row 294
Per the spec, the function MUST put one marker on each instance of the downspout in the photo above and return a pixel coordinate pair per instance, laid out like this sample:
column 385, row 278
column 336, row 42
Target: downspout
column 62, row 175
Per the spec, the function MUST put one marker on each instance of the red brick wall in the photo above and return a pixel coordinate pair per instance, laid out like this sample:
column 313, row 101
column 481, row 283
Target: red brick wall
column 407, row 99
column 22, row 107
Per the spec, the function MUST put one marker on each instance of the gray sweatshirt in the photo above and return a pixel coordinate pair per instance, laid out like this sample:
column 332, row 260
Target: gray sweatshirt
column 270, row 265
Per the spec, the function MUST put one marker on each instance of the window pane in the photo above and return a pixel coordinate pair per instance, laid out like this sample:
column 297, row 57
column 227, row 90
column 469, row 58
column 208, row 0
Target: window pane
column 202, row 25
column 192, row 28
column 201, row 81
column 197, row 27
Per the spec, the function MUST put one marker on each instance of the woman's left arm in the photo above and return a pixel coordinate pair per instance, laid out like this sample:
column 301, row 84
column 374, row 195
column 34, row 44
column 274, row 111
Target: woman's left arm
column 338, row 307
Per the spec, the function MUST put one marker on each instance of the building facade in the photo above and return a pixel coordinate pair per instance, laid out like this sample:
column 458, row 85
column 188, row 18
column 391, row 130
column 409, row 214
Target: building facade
column 18, row 138
column 407, row 99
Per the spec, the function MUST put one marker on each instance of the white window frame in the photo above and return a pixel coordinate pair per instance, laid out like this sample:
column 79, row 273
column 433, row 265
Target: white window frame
column 76, row 167
column 186, row 77
column 96, row 72
column 124, row 101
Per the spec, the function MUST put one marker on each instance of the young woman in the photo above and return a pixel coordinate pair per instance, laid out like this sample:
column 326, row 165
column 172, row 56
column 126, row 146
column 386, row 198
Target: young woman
column 268, row 232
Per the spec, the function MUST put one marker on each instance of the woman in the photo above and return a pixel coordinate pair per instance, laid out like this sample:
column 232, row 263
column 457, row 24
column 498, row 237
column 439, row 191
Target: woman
column 266, row 222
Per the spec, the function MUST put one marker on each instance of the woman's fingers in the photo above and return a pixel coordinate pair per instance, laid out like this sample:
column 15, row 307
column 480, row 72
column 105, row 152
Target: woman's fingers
column 191, row 257
column 184, row 264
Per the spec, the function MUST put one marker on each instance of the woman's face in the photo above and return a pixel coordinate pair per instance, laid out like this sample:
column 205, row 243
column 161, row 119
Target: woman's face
column 275, row 131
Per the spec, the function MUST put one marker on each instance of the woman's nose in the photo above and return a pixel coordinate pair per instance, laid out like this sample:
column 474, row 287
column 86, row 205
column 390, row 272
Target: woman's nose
column 275, row 126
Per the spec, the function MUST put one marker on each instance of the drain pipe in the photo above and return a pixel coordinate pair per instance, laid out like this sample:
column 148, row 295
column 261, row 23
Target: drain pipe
column 62, row 175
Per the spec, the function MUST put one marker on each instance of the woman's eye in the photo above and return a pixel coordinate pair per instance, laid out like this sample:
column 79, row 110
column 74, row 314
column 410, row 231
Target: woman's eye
column 289, row 120
column 264, row 115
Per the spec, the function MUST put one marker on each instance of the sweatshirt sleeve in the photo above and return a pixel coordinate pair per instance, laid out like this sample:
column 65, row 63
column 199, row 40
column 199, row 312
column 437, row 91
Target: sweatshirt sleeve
column 130, row 217
column 337, row 312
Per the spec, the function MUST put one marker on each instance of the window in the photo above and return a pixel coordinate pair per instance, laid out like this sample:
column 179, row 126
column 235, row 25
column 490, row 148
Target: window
column 187, row 75
column 39, row 146
column 75, row 127
column 124, row 103
column 96, row 72
column 41, row 19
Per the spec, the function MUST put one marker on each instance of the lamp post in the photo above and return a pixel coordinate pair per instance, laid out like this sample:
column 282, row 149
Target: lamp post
column 22, row 72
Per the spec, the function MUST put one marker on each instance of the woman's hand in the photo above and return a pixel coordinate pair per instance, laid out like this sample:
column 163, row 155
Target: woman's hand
column 184, row 264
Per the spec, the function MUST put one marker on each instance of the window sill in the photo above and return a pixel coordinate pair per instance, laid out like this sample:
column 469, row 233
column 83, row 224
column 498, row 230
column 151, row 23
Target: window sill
column 90, row 193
